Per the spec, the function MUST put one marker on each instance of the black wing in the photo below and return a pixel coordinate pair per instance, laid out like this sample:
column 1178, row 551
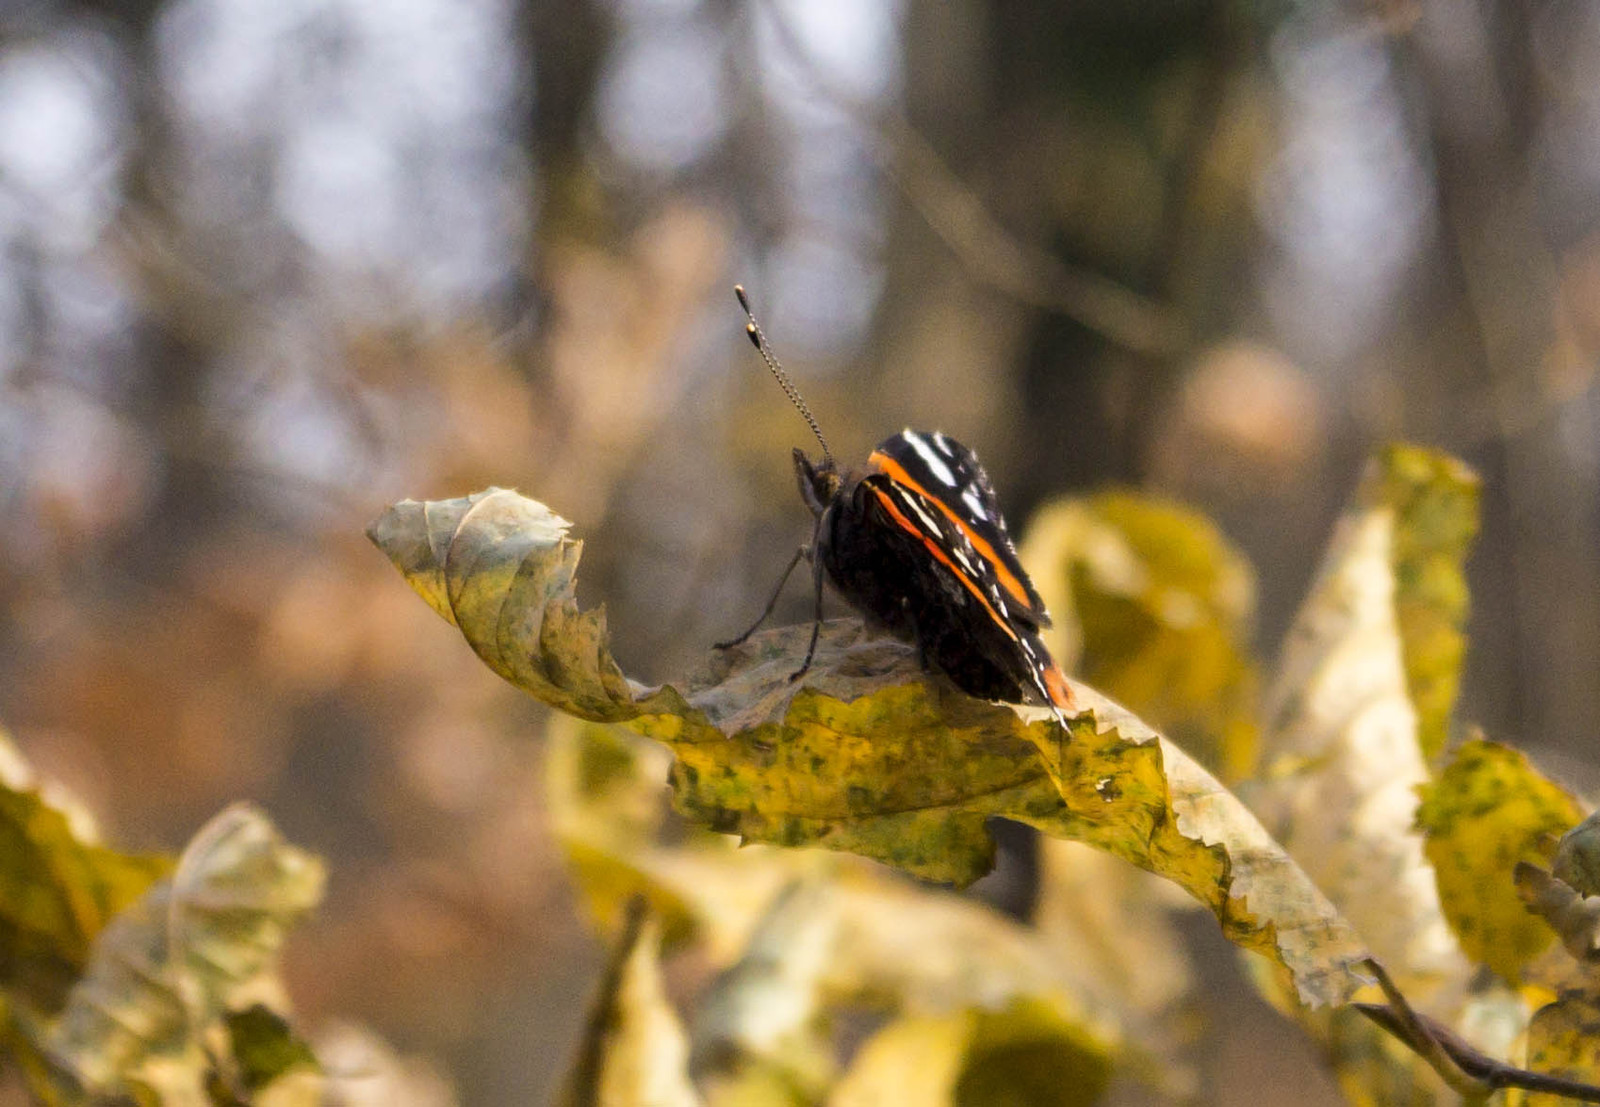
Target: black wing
column 998, row 656
column 948, row 473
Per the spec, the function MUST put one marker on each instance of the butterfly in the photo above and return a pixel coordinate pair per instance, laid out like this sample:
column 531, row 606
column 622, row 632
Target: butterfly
column 915, row 541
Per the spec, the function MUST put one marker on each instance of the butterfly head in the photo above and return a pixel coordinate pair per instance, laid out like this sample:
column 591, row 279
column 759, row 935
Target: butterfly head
column 819, row 481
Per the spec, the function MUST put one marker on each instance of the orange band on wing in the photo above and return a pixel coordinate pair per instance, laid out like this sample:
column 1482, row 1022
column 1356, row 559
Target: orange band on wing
column 1055, row 683
column 897, row 473
column 943, row 558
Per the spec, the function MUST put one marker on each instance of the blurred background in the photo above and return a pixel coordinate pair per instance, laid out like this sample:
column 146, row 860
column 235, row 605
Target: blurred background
column 268, row 265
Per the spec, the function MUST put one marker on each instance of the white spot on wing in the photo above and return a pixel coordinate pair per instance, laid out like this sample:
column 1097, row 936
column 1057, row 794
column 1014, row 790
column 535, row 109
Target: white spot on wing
column 974, row 505
column 932, row 460
column 911, row 502
column 943, row 445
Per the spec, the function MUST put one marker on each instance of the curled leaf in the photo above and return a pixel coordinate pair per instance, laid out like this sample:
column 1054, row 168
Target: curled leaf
column 501, row 567
column 1489, row 810
column 1577, row 860
column 870, row 755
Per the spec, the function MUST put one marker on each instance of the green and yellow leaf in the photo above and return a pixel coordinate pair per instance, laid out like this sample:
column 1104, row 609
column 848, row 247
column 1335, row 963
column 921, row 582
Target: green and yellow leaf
column 804, row 934
column 58, row 886
column 1022, row 1055
column 870, row 755
column 1488, row 810
column 1156, row 608
column 150, row 1016
column 1563, row 1040
column 1434, row 498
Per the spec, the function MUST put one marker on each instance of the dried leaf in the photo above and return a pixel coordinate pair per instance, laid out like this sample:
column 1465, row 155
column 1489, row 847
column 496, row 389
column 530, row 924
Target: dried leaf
column 148, row 1015
column 365, row 1071
column 501, row 568
column 58, row 886
column 1577, row 860
column 1574, row 918
column 1158, row 610
column 870, row 755
column 1488, row 810
column 1342, row 743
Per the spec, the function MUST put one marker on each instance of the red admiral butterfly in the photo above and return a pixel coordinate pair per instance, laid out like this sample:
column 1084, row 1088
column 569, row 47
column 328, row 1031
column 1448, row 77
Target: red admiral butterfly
column 915, row 542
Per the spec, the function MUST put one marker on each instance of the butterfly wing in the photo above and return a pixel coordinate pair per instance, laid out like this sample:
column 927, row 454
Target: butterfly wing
column 947, row 476
column 949, row 596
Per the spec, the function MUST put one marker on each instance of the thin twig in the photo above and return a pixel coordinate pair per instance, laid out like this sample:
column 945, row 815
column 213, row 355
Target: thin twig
column 1410, row 1028
column 1467, row 1069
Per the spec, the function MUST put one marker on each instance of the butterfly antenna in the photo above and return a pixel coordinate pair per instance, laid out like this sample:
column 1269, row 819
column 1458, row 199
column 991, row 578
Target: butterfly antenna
column 759, row 341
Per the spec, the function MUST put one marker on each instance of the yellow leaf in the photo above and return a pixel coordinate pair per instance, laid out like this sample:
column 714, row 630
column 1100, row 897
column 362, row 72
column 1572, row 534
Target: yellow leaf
column 1158, row 609
column 870, row 755
column 1127, row 950
column 1434, row 498
column 914, row 1061
column 365, row 1071
column 1361, row 699
column 1019, row 1056
column 607, row 796
column 634, row 1052
column 1488, row 810
column 1342, row 749
column 825, row 934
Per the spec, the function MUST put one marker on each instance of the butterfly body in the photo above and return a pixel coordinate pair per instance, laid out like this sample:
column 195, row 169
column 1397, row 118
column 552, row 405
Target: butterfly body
column 915, row 542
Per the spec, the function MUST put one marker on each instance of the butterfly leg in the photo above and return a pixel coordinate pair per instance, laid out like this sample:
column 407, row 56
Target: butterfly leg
column 803, row 551
column 816, row 620
column 924, row 662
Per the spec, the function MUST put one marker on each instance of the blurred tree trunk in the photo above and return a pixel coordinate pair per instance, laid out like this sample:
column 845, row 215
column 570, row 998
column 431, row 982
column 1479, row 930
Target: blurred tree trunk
column 1014, row 97
column 181, row 326
column 1480, row 112
column 567, row 43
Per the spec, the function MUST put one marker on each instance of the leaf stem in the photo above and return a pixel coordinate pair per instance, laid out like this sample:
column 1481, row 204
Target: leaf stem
column 1469, row 1071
